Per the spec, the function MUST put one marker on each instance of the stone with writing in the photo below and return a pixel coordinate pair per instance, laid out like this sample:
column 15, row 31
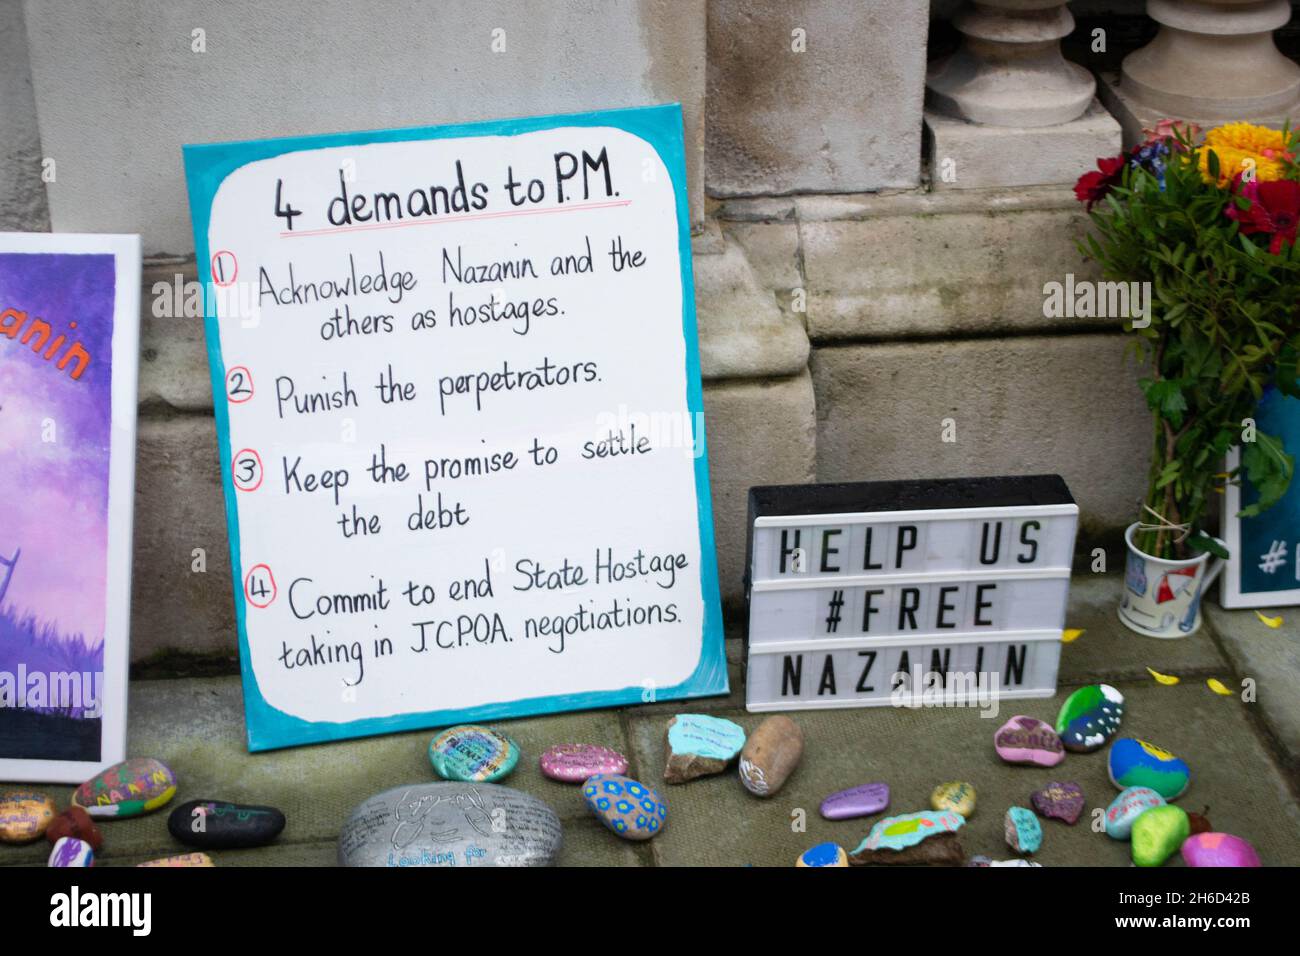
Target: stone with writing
column 627, row 807
column 24, row 815
column 1028, row 740
column 1090, row 717
column 957, row 796
column 574, row 763
column 1136, row 763
column 220, row 825
column 180, row 860
column 823, row 854
column 1158, row 834
column 75, row 822
column 473, row 754
column 70, row 853
column 698, row 745
column 1059, row 800
column 1131, row 803
column 770, row 755
column 128, row 789
column 1022, row 831
column 927, row 838
column 979, row 860
column 859, row 801
column 451, row 824
column 1218, row 849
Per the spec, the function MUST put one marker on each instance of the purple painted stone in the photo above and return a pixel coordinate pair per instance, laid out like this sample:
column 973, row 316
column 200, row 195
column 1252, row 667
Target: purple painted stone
column 1062, row 801
column 574, row 763
column 1028, row 740
column 1218, row 849
column 856, row 802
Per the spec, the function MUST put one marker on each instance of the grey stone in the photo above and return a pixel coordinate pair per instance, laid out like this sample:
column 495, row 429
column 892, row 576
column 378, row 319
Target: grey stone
column 759, row 433
column 970, row 156
column 842, row 116
column 451, row 824
column 143, row 92
column 1025, row 405
column 743, row 332
column 962, row 261
column 22, row 192
column 173, row 350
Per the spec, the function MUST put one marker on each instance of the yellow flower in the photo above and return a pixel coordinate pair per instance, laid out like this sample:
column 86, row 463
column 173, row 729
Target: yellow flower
column 1240, row 146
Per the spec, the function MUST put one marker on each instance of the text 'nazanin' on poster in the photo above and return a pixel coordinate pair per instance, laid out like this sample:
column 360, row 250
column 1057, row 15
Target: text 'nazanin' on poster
column 460, row 421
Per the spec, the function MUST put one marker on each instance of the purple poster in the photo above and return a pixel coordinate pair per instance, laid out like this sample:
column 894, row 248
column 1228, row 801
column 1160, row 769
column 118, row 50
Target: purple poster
column 62, row 622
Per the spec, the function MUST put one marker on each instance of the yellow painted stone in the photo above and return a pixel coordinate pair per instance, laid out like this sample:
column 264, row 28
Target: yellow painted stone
column 185, row 859
column 957, row 796
column 24, row 815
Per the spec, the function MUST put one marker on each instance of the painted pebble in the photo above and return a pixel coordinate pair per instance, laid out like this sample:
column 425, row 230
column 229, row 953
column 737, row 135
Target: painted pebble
column 1158, row 834
column 928, row 837
column 1090, row 717
column 698, row 745
column 24, row 815
column 448, row 824
column 770, row 755
column 823, row 854
column 75, row 822
column 958, row 796
column 473, row 754
column 1218, row 849
column 626, row 806
column 981, row 860
column 217, row 825
column 574, row 763
column 128, row 789
column 1127, row 807
column 184, row 859
column 1199, row 822
column 1059, row 801
column 861, row 801
column 1028, row 740
column 71, row 852
column 1023, row 831
column 1136, row 763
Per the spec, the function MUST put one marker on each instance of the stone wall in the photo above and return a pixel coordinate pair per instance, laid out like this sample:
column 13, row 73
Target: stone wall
column 845, row 310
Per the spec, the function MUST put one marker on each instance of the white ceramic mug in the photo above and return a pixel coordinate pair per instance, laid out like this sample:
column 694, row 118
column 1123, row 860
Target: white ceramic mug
column 1163, row 598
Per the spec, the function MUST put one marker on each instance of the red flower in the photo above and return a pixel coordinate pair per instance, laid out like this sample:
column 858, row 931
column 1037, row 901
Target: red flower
column 1093, row 186
column 1274, row 211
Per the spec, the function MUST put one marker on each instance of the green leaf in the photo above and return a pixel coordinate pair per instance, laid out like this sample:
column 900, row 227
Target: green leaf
column 1200, row 541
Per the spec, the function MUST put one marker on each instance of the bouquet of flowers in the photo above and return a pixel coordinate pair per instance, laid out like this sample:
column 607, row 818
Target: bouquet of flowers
column 1211, row 224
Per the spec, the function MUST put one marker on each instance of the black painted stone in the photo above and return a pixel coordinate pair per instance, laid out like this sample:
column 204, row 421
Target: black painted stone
column 219, row 825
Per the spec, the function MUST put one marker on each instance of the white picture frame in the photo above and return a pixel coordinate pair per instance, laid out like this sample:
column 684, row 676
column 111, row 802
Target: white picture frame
column 1231, row 593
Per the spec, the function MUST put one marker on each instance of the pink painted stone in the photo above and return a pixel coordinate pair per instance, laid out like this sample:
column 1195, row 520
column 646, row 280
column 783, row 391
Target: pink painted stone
column 1059, row 800
column 1028, row 740
column 856, row 802
column 574, row 763
column 1219, row 849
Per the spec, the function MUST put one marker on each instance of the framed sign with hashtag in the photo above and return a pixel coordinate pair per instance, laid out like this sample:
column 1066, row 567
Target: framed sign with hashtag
column 907, row 592
column 1264, row 551
column 460, row 421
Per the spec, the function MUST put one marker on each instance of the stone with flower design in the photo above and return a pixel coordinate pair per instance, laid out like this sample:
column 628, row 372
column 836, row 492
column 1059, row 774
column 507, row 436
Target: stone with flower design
column 128, row 789
column 631, row 809
column 24, row 815
column 70, row 852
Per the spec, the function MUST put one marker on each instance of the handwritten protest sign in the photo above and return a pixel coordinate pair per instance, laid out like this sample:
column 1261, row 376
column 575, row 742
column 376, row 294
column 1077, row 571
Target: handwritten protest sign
column 459, row 411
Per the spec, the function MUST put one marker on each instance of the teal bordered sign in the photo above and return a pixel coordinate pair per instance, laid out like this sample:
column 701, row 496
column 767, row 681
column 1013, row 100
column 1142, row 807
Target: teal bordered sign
column 458, row 405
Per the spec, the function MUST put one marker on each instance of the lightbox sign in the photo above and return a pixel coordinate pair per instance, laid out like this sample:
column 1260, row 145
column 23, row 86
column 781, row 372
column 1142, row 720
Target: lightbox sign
column 876, row 593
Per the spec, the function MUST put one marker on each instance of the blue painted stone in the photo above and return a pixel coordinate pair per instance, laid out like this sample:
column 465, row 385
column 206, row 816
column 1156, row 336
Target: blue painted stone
column 1136, row 763
column 626, row 806
column 1090, row 717
column 1023, row 831
column 824, row 854
column 1127, row 807
column 698, row 745
column 473, row 754
column 925, row 837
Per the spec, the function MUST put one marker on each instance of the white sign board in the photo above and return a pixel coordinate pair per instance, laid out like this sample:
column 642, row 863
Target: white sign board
column 460, row 420
column 893, row 592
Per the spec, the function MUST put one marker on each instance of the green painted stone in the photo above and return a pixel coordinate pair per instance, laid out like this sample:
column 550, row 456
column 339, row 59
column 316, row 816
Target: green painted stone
column 473, row 754
column 1158, row 834
column 1090, row 717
